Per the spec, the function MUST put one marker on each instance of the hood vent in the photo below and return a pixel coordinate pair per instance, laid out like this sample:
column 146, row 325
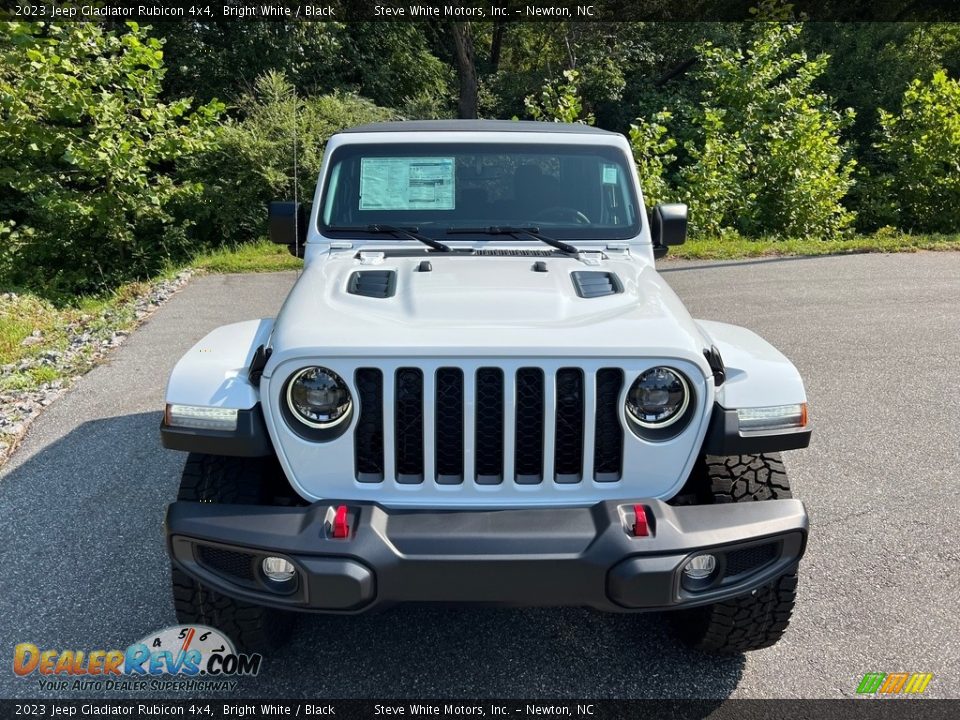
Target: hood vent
column 373, row 283
column 596, row 284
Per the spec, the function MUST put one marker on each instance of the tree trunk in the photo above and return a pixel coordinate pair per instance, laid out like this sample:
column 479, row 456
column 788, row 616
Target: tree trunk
column 496, row 44
column 466, row 70
column 675, row 71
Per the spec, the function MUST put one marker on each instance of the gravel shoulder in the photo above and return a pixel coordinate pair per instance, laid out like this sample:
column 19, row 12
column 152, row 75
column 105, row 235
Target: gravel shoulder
column 77, row 344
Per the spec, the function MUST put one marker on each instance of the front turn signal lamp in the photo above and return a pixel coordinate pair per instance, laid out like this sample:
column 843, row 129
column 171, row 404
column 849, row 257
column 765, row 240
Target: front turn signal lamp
column 200, row 417
column 777, row 417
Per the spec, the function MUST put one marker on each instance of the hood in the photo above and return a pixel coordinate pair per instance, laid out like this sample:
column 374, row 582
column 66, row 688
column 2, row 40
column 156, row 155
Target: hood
column 483, row 305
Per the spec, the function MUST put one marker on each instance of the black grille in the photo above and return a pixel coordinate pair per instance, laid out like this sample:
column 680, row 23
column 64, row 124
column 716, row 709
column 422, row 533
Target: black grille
column 368, row 440
column 451, row 448
column 528, row 456
column 748, row 559
column 591, row 284
column 608, row 439
column 408, row 414
column 238, row 565
column 568, row 448
column 373, row 283
column 489, row 426
column 449, row 424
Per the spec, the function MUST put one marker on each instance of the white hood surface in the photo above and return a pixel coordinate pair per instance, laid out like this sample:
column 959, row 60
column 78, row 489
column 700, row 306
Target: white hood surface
column 484, row 305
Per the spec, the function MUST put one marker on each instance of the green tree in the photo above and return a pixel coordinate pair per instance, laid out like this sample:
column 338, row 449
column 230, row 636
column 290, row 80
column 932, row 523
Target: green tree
column 651, row 148
column 872, row 62
column 223, row 59
column 390, row 63
column 766, row 157
column 89, row 156
column 393, row 64
column 920, row 149
column 253, row 162
column 559, row 101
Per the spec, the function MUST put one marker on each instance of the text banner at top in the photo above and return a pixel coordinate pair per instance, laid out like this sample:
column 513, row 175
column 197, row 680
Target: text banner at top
column 477, row 11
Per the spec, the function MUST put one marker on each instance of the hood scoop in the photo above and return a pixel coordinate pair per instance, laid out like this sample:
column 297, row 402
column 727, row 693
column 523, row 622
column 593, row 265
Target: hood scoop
column 590, row 284
column 373, row 283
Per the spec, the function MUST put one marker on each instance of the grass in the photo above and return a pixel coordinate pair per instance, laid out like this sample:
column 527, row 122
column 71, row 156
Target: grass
column 735, row 247
column 24, row 315
column 260, row 256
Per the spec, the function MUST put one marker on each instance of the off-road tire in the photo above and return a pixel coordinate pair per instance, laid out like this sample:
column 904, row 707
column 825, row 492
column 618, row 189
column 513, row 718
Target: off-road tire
column 238, row 481
column 759, row 619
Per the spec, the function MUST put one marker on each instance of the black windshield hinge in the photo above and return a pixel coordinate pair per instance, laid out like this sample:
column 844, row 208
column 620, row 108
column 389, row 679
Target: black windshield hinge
column 716, row 364
column 259, row 362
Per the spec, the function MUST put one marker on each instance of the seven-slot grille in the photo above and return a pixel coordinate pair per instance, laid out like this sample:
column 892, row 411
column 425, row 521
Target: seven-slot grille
column 488, row 425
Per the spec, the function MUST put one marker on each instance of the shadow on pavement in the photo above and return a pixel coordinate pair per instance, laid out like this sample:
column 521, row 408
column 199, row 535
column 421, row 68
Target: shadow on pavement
column 86, row 568
column 420, row 651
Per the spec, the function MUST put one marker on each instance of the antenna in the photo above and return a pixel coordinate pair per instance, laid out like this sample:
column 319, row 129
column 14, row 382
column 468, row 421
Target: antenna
column 296, row 194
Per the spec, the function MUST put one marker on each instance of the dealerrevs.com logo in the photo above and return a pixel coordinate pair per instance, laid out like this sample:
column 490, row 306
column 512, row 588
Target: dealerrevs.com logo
column 181, row 657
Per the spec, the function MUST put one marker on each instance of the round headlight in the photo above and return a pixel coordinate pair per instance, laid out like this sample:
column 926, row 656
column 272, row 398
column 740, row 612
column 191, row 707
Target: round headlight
column 318, row 397
column 658, row 398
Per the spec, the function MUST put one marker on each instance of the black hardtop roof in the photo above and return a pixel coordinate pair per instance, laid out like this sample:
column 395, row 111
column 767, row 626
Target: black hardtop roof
column 528, row 126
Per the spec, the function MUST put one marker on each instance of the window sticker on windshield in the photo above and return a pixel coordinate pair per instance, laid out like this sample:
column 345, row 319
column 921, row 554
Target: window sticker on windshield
column 609, row 174
column 407, row 183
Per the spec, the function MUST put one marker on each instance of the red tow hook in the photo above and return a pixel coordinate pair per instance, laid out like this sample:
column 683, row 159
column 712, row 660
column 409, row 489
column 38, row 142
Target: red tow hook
column 641, row 528
column 341, row 529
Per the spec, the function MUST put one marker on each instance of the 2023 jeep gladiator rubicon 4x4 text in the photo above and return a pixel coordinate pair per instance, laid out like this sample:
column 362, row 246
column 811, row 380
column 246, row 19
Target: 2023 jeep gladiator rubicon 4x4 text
column 480, row 390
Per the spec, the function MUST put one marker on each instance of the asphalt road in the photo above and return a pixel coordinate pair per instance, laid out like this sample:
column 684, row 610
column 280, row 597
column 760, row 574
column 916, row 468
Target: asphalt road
column 877, row 339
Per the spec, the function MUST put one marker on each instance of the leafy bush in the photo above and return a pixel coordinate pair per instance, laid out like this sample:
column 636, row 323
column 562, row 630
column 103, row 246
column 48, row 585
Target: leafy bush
column 766, row 157
column 559, row 101
column 920, row 149
column 392, row 64
column 651, row 153
column 88, row 157
column 252, row 163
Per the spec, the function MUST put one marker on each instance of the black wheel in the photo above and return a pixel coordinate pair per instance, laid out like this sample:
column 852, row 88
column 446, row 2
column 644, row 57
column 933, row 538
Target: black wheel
column 759, row 619
column 239, row 481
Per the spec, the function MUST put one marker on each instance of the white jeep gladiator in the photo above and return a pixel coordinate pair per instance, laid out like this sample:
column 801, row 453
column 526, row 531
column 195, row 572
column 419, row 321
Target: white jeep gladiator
column 481, row 391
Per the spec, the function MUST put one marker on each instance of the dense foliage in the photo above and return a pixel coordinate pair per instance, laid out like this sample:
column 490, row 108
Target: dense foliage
column 253, row 160
column 122, row 148
column 920, row 148
column 88, row 157
column 766, row 157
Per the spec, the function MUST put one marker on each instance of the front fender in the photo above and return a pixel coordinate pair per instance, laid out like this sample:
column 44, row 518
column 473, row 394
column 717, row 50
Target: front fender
column 215, row 373
column 757, row 375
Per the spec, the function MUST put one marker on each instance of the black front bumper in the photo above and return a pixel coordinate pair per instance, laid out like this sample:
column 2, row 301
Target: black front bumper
column 583, row 556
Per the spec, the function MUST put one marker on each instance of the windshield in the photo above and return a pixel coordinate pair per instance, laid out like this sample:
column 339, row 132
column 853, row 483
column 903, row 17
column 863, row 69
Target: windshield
column 583, row 192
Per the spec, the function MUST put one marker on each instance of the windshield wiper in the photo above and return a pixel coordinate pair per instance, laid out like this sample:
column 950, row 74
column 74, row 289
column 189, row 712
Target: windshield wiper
column 392, row 230
column 517, row 232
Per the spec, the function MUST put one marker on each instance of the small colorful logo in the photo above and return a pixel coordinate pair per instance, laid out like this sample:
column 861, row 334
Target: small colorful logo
column 180, row 650
column 901, row 683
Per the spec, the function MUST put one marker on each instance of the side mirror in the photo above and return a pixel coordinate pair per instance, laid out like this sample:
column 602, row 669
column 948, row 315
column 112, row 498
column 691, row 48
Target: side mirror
column 669, row 225
column 287, row 225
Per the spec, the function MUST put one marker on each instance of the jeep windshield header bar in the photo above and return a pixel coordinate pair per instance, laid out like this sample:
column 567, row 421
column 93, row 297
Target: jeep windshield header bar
column 515, row 232
column 408, row 232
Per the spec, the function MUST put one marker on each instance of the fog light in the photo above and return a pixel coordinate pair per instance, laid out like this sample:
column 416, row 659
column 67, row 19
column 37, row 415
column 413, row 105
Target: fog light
column 700, row 567
column 278, row 569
